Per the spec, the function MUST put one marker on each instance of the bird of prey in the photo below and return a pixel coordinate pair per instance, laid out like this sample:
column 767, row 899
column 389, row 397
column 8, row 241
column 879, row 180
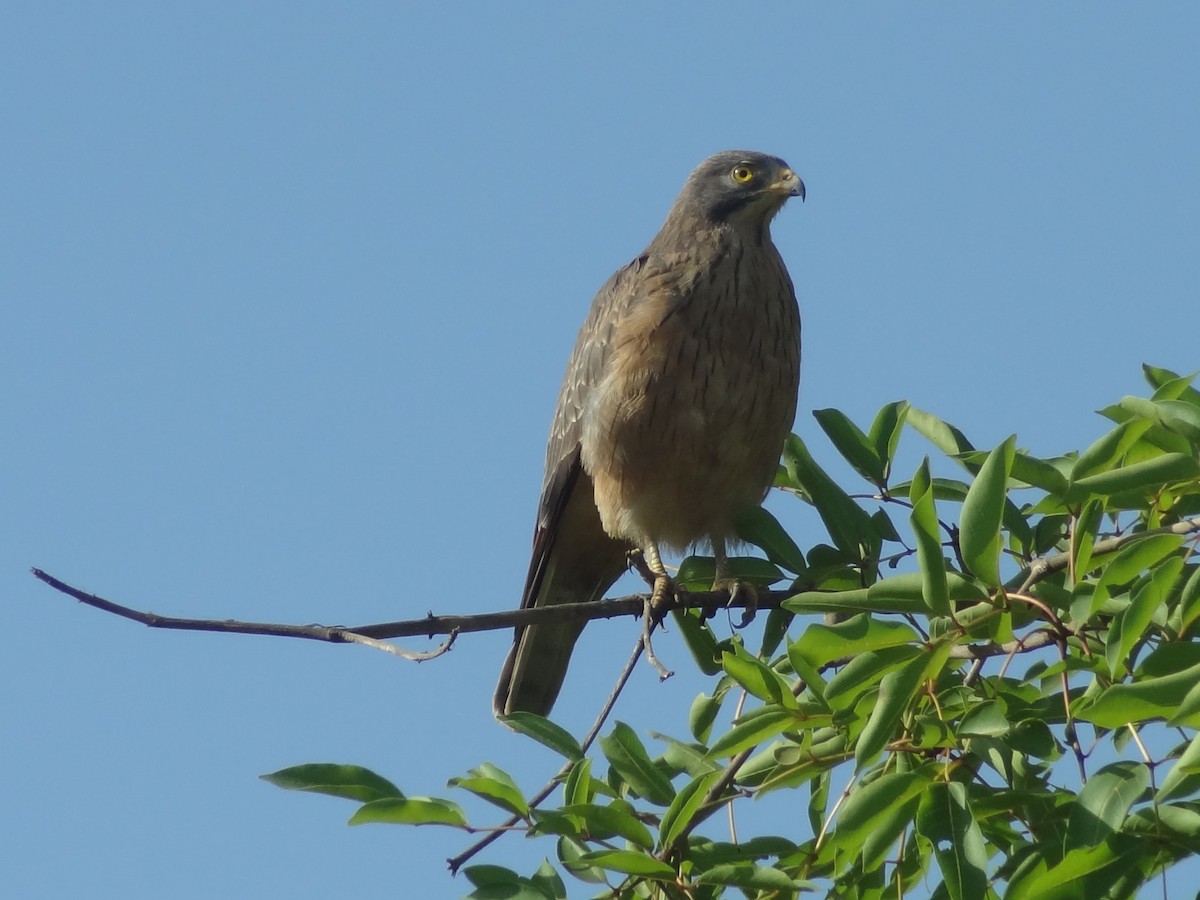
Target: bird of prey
column 673, row 412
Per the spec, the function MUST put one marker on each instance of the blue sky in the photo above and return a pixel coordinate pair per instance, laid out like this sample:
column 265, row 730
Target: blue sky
column 288, row 291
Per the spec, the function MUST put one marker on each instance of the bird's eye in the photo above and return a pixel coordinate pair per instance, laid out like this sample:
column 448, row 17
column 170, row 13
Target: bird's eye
column 742, row 174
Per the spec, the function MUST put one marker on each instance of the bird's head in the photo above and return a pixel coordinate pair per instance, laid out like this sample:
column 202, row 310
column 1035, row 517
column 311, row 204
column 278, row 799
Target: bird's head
column 740, row 186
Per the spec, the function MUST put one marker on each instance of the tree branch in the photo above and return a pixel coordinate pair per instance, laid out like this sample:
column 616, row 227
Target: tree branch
column 634, row 605
column 1048, row 565
column 373, row 635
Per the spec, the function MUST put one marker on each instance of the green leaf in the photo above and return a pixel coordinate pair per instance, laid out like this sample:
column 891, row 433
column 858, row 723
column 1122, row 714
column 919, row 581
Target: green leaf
column 554, row 821
column 697, row 573
column 1039, row 473
column 499, row 883
column 684, row 808
column 1189, row 602
column 1062, row 881
column 1189, row 707
column 848, row 524
column 707, row 853
column 604, row 822
column 629, row 862
column 869, row 805
column 885, row 432
column 629, row 758
column 1184, row 777
column 410, row 811
column 699, row 638
column 982, row 512
column 1155, row 436
column 1104, row 802
column 1129, row 562
column 751, row 878
column 1083, row 537
column 928, row 534
column 351, row 782
column 570, row 853
column 911, row 586
column 757, row 677
column 1170, row 385
column 808, row 673
column 578, row 786
column 1149, row 473
column 758, row 527
column 989, row 719
column 858, row 600
column 549, row 881
column 1169, row 659
column 856, row 448
column 545, row 733
column 757, row 726
column 945, row 437
column 1175, row 415
column 775, row 629
column 1106, row 452
column 495, row 786
column 483, row 875
column 702, row 714
column 885, row 831
column 821, row 644
column 896, row 691
column 1130, row 625
column 1142, row 701
column 944, row 818
column 866, row 670
column 684, row 756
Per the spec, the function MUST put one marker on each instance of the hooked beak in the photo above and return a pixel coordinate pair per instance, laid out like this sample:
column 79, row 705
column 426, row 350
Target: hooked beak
column 789, row 184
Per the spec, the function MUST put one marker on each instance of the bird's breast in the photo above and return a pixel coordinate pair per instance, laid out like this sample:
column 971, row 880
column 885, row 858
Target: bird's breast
column 685, row 427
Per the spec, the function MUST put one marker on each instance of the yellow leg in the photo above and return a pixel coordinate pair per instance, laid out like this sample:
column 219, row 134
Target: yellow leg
column 664, row 588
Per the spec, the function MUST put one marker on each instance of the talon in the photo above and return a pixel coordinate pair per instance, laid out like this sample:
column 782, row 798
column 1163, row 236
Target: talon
column 742, row 591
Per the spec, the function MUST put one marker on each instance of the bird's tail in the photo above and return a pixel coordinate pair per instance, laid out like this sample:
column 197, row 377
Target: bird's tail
column 536, row 666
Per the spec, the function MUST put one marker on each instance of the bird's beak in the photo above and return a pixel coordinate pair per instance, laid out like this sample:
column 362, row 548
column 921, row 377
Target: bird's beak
column 789, row 184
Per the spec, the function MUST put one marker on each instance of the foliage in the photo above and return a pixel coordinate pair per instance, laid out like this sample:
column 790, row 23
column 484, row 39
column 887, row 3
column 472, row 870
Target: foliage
column 1003, row 699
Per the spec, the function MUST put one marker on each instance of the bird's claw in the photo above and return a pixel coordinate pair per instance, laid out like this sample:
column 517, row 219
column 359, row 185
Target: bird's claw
column 739, row 591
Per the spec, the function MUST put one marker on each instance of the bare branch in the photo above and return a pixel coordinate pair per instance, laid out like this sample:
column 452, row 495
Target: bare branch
column 1048, row 565
column 634, row 605
column 373, row 635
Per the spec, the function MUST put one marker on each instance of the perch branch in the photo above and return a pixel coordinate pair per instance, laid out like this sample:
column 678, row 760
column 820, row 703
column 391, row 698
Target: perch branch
column 373, row 635
column 428, row 626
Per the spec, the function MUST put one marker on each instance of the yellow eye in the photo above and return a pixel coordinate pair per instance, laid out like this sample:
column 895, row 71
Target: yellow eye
column 742, row 174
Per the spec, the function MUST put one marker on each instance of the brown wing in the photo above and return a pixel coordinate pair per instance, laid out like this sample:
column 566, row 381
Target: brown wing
column 573, row 559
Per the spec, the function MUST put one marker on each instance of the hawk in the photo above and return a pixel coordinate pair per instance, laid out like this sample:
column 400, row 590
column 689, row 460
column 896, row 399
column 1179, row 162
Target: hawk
column 673, row 412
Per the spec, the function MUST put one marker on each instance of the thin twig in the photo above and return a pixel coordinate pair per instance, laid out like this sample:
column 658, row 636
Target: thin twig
column 455, row 863
column 413, row 655
column 650, row 620
column 833, row 812
column 1047, row 565
column 1069, row 727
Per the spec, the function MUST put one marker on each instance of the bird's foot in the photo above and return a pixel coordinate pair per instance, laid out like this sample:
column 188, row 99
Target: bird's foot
column 663, row 595
column 740, row 592
column 663, row 590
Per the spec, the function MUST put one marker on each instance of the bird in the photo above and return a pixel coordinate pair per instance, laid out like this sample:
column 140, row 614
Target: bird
column 677, row 399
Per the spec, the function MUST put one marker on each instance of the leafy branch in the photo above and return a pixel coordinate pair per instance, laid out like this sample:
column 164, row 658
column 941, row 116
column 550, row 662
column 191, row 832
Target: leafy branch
column 1005, row 683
